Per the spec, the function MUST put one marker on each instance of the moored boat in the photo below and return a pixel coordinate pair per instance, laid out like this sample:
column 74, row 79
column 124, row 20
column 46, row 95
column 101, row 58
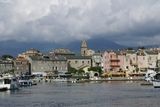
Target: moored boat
column 25, row 81
column 8, row 83
column 156, row 81
column 60, row 80
column 149, row 76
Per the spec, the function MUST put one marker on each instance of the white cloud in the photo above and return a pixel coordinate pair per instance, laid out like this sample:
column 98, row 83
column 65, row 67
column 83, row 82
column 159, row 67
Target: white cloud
column 123, row 21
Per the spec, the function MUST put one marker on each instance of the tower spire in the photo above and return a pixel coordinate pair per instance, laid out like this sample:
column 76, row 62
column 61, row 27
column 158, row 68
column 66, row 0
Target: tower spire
column 84, row 44
column 84, row 48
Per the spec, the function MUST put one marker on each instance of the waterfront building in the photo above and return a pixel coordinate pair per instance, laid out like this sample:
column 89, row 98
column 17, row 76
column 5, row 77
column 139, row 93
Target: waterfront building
column 22, row 65
column 123, row 63
column 110, row 61
column 152, row 58
column 60, row 64
column 97, row 60
column 158, row 61
column 45, row 64
column 6, row 66
column 120, row 61
column 131, row 62
column 79, row 62
column 142, row 60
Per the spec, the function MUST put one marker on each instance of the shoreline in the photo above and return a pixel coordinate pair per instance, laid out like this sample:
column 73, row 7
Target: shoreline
column 113, row 79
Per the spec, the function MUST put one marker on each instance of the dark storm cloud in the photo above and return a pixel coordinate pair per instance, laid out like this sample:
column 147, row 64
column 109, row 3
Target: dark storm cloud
column 129, row 22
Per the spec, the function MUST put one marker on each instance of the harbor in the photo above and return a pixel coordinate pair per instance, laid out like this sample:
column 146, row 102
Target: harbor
column 79, row 53
column 87, row 94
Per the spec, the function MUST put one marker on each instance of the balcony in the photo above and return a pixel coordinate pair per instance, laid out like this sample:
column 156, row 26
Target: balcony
column 113, row 65
column 114, row 60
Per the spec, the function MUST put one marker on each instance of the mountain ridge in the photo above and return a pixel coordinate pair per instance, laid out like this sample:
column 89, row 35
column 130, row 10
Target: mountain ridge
column 14, row 47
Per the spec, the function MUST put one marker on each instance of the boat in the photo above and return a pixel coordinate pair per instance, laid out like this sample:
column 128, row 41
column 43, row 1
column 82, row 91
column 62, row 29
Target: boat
column 60, row 79
column 156, row 81
column 25, row 81
column 149, row 76
column 8, row 83
column 34, row 82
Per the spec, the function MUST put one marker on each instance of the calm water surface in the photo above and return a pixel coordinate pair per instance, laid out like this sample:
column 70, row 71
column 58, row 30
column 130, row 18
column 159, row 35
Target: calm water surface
column 113, row 94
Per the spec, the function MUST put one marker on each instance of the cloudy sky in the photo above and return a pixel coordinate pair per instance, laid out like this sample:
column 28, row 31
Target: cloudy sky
column 127, row 22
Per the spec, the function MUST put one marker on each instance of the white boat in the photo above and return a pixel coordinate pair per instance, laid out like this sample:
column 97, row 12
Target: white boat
column 8, row 83
column 156, row 81
column 150, row 75
column 60, row 79
column 25, row 81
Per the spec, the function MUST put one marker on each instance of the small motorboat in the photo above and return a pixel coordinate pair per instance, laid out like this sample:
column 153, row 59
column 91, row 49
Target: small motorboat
column 25, row 81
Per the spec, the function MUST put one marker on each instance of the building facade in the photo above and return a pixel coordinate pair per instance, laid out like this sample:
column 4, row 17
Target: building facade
column 22, row 66
column 97, row 60
column 110, row 61
column 42, row 65
column 6, row 66
column 85, row 51
column 79, row 62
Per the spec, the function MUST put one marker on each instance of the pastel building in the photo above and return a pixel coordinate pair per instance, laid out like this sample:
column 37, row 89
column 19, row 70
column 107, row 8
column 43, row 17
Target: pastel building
column 119, row 61
column 158, row 61
column 152, row 58
column 131, row 61
column 110, row 61
column 97, row 60
column 142, row 61
column 122, row 61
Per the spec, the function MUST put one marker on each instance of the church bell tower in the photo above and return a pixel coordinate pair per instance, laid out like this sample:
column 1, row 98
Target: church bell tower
column 84, row 48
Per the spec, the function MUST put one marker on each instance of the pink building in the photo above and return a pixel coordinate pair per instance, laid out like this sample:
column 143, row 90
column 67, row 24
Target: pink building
column 130, row 60
column 122, row 61
column 110, row 61
column 119, row 61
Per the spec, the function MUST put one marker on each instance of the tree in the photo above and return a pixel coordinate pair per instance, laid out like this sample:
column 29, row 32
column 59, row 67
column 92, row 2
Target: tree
column 141, row 47
column 129, row 48
column 96, row 69
column 80, row 72
column 72, row 70
column 6, row 57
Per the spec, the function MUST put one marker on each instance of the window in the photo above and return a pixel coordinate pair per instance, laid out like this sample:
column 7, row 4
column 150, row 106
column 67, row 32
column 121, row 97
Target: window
column 134, row 58
column 84, row 52
column 7, row 81
column 76, row 61
column 82, row 62
column 143, row 58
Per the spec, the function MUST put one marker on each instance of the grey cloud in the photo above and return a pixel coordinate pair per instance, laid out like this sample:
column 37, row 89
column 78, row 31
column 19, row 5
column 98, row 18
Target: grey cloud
column 128, row 22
